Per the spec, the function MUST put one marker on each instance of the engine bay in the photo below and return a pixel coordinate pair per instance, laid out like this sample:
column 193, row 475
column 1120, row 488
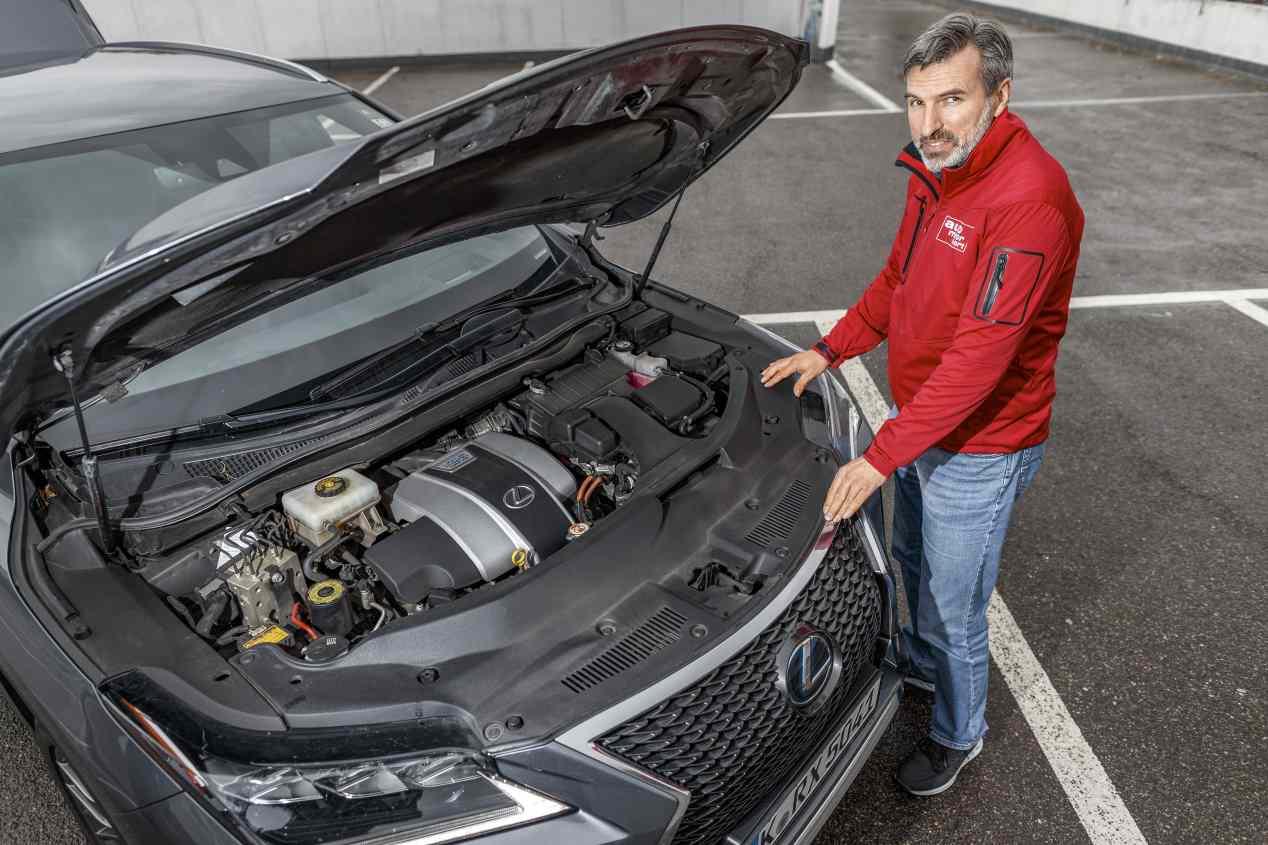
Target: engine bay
column 349, row 553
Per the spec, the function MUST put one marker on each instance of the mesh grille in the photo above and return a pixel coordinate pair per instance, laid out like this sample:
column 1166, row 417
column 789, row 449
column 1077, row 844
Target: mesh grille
column 226, row 467
column 780, row 522
column 733, row 736
column 663, row 629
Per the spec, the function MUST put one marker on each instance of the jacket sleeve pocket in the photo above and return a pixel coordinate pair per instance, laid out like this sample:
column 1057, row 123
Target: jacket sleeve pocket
column 1006, row 291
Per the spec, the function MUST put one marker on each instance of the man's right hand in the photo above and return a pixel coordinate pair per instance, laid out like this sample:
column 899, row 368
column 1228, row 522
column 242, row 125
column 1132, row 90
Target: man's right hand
column 808, row 364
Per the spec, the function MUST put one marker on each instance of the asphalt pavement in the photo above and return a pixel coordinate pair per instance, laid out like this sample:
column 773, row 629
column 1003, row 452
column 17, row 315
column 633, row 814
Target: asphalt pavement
column 1133, row 566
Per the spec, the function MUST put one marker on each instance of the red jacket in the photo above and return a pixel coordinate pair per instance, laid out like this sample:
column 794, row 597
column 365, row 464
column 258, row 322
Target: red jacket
column 974, row 299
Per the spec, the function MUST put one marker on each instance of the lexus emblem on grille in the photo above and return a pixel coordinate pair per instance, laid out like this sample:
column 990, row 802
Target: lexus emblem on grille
column 519, row 496
column 809, row 667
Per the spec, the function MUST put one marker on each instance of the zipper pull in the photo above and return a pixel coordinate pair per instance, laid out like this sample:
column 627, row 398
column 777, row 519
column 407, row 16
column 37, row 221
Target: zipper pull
column 997, row 284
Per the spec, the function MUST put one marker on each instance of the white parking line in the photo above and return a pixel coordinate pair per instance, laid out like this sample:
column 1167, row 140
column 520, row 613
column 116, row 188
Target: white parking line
column 1114, row 300
column 1125, row 101
column 1250, row 309
column 889, row 107
column 383, row 78
column 1100, row 809
column 861, row 88
column 794, row 115
column 1092, row 794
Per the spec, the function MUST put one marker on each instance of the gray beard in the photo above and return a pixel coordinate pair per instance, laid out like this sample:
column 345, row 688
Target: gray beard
column 961, row 153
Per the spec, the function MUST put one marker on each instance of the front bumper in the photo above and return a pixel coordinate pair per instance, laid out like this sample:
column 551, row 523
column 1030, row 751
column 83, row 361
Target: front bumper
column 182, row 819
column 797, row 812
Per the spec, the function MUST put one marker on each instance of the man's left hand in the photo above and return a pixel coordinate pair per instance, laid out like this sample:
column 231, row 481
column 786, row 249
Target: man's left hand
column 855, row 482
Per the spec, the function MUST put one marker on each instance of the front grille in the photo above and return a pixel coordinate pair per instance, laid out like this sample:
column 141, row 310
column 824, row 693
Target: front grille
column 733, row 736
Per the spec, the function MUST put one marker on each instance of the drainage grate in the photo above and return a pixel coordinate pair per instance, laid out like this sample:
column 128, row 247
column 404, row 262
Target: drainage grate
column 236, row 465
column 782, row 519
column 662, row 630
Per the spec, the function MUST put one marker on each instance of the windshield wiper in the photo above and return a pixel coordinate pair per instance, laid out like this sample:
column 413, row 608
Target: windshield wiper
column 382, row 388
column 548, row 292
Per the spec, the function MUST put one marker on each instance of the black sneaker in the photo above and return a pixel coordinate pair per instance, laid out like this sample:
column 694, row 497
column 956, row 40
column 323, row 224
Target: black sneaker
column 931, row 768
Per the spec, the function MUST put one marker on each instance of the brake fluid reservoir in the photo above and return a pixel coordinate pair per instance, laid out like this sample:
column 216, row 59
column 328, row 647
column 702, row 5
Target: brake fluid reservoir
column 317, row 509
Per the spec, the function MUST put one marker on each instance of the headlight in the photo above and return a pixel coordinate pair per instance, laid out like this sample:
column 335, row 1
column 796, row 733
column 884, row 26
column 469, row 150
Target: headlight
column 417, row 800
column 423, row 799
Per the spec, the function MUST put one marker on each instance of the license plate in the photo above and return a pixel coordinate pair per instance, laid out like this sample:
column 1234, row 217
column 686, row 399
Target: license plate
column 795, row 800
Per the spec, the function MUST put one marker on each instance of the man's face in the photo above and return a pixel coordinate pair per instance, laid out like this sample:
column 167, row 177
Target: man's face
column 949, row 109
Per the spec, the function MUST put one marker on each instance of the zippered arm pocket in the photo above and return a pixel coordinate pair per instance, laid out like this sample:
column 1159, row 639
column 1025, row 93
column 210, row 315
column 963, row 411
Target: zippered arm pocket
column 1009, row 284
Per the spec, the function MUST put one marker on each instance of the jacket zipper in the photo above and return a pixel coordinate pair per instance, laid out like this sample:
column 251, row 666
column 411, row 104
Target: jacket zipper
column 997, row 282
column 914, row 235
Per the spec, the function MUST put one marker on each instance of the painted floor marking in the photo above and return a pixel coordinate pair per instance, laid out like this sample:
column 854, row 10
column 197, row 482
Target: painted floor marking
column 1113, row 300
column 1123, row 101
column 1250, row 309
column 861, row 88
column 1087, row 785
column 1091, row 792
column 795, row 115
column 1021, row 105
column 382, row 80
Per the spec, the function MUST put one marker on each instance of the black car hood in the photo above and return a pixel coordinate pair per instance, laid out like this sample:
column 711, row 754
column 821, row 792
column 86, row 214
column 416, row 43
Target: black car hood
column 606, row 135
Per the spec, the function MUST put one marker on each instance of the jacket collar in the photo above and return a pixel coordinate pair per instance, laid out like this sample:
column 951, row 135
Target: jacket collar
column 1002, row 131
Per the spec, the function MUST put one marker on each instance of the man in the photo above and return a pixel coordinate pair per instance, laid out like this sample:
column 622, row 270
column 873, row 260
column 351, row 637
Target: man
column 973, row 301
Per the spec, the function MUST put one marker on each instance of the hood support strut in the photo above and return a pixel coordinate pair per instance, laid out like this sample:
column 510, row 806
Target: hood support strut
column 65, row 364
column 640, row 281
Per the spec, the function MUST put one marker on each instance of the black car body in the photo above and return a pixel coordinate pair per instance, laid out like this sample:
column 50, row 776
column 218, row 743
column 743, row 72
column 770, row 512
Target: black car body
column 359, row 499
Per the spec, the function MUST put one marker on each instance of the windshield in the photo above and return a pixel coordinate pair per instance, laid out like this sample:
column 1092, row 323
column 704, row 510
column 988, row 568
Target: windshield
column 68, row 205
column 37, row 30
column 302, row 341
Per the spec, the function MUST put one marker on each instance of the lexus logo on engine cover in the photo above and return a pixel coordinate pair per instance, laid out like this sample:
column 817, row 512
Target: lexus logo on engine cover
column 519, row 496
column 809, row 667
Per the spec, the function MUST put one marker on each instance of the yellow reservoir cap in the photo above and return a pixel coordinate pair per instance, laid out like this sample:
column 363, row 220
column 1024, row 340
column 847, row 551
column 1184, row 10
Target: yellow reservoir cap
column 325, row 592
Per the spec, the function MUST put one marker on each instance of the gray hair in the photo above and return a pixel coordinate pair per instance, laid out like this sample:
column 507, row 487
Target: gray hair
column 955, row 32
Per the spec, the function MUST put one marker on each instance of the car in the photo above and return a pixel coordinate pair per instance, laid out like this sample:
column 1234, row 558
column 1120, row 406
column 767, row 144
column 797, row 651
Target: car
column 353, row 496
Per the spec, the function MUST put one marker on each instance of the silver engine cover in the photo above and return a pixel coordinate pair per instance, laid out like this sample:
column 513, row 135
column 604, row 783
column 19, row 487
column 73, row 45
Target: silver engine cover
column 492, row 496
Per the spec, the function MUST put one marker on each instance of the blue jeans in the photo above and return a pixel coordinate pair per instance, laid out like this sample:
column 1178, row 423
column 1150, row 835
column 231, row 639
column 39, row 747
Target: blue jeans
column 951, row 512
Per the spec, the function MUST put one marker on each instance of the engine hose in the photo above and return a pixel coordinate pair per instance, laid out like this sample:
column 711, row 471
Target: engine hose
column 314, row 557
column 182, row 611
column 705, row 407
column 722, row 370
column 309, row 630
column 231, row 635
column 215, row 606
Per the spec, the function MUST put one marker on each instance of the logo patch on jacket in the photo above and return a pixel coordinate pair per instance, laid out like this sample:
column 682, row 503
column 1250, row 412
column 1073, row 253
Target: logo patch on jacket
column 954, row 233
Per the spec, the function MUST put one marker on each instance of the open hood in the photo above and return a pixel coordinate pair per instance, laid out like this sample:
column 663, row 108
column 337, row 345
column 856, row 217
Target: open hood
column 607, row 135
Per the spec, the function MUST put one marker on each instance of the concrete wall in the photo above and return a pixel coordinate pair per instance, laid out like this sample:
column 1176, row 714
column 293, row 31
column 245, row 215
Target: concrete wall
column 1237, row 31
column 335, row 29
